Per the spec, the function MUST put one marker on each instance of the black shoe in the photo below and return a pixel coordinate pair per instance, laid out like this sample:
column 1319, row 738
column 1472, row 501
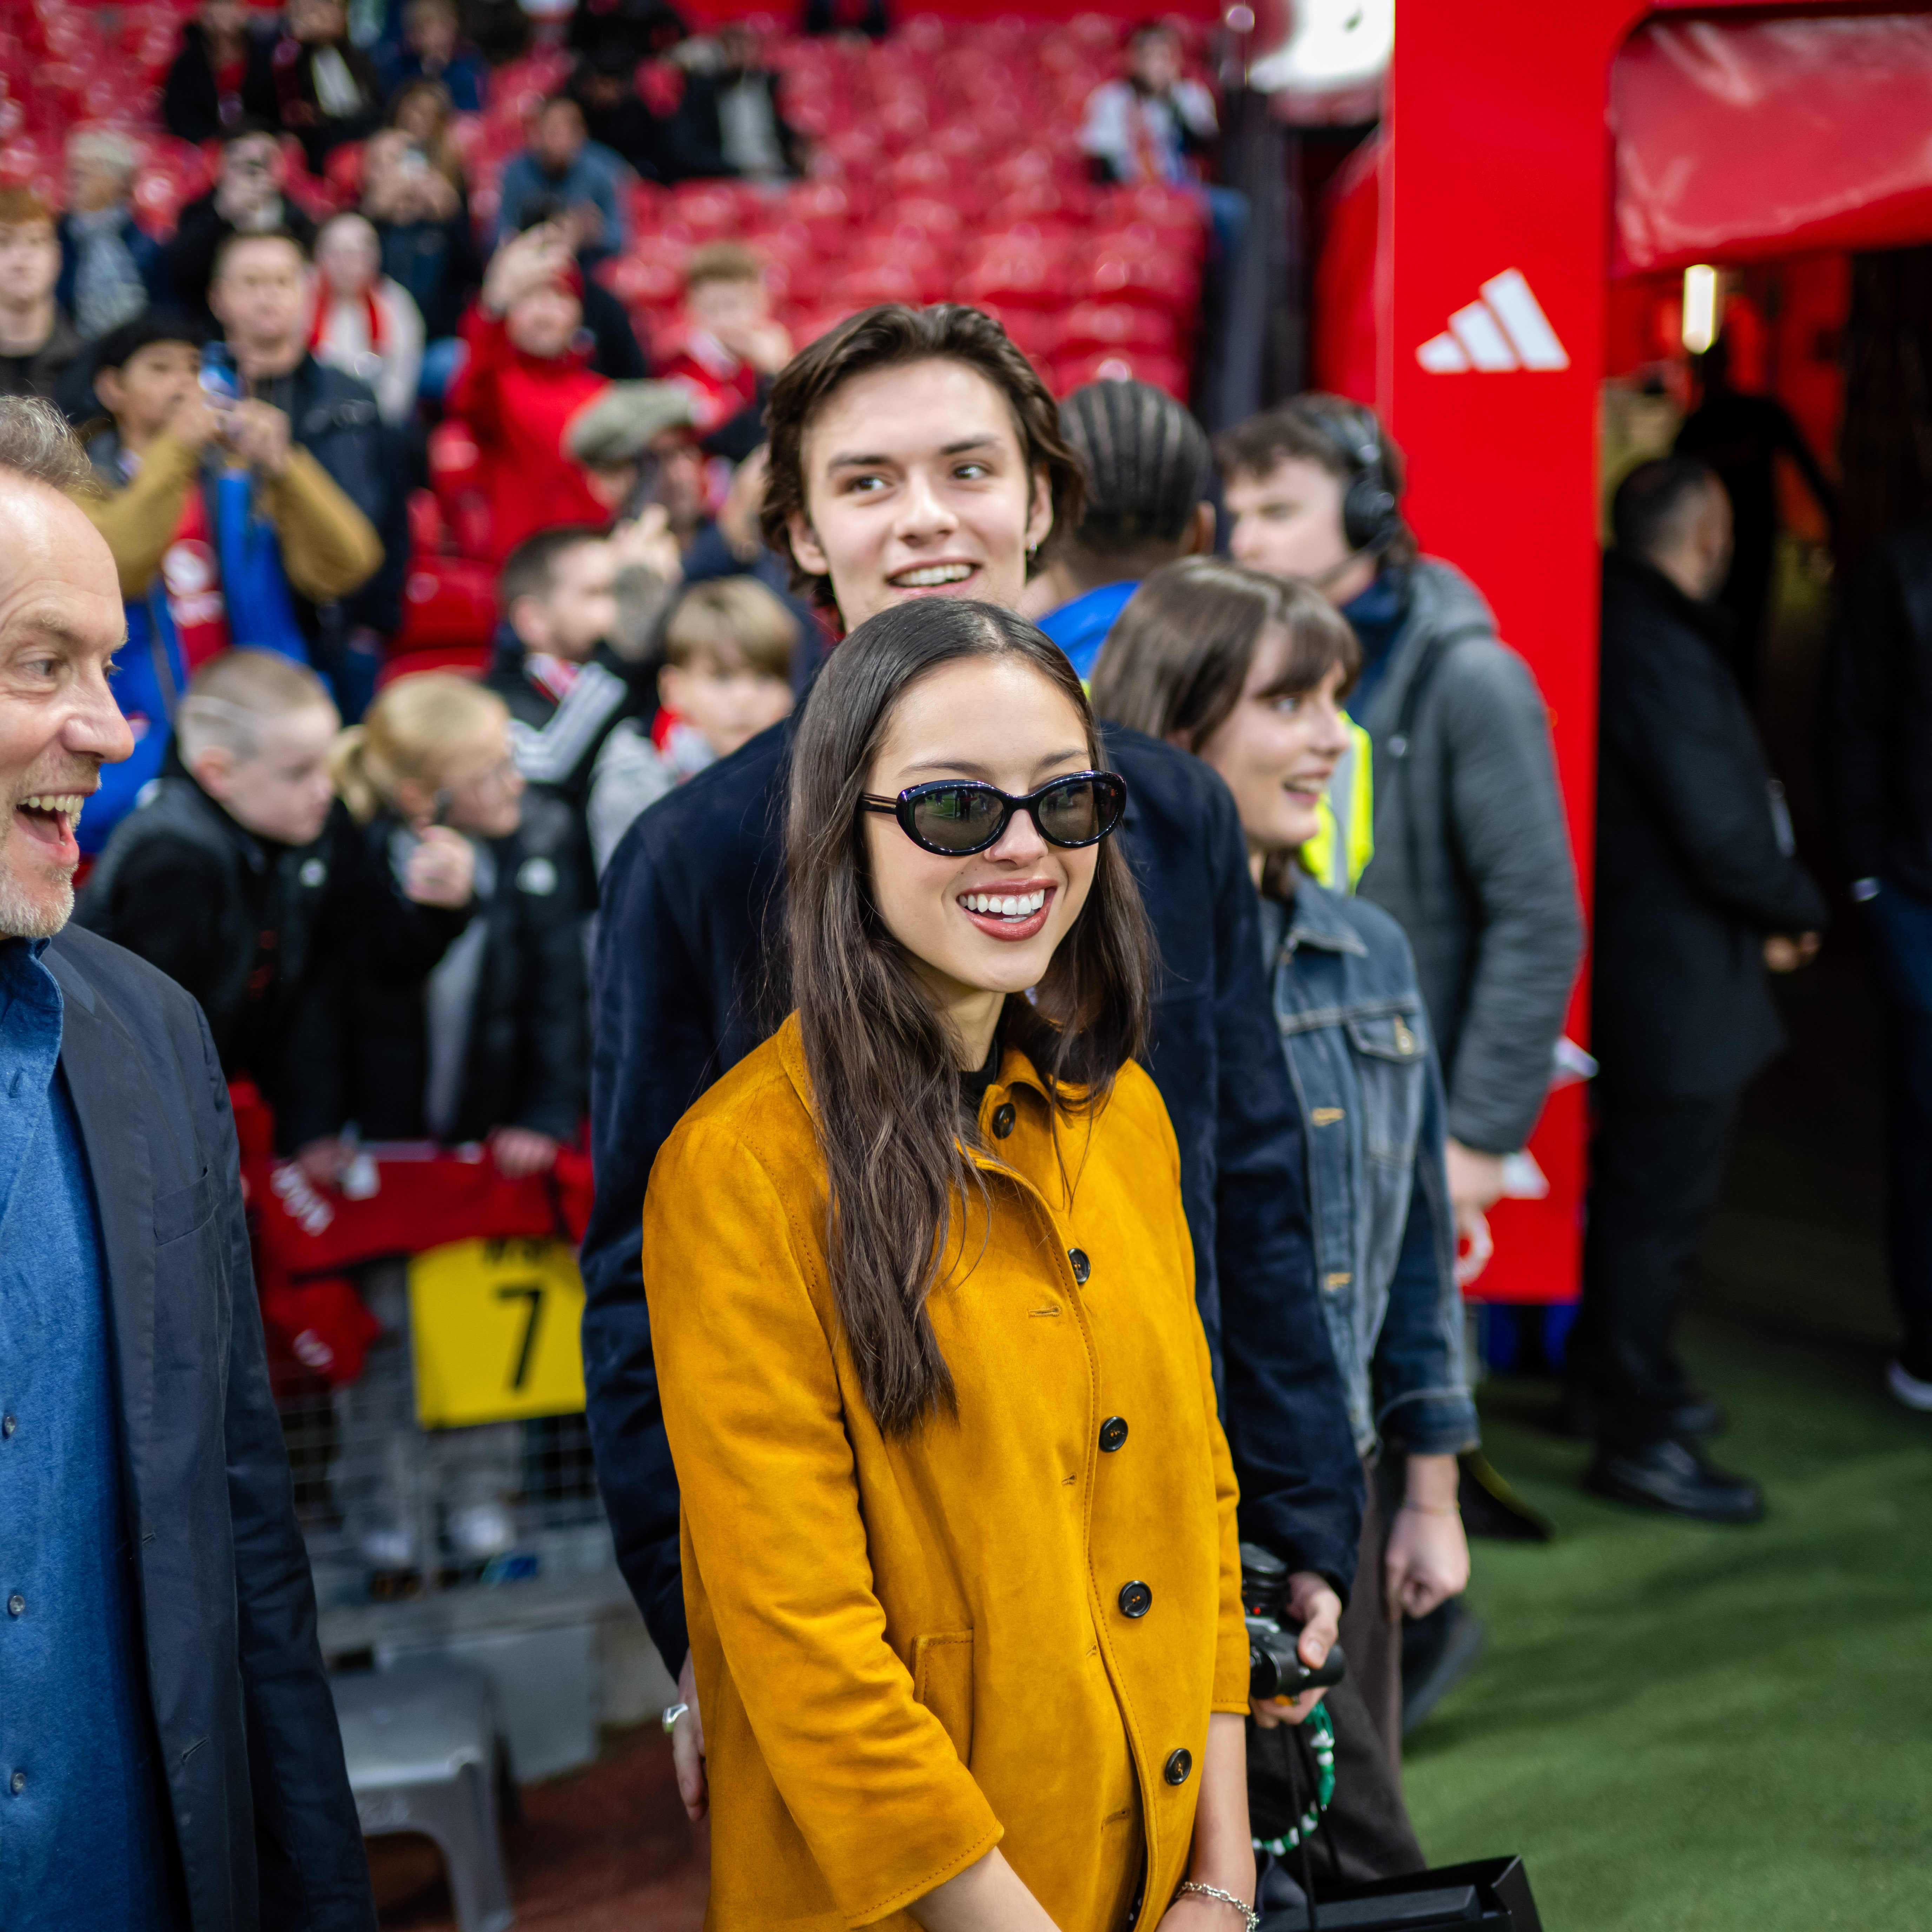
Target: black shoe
column 1580, row 1418
column 1674, row 1476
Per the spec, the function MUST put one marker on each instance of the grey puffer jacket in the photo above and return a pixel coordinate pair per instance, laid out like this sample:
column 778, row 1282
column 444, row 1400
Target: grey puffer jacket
column 1472, row 856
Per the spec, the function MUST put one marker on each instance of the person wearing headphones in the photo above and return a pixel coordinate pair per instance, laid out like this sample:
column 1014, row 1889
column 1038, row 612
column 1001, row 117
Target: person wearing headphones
column 1471, row 855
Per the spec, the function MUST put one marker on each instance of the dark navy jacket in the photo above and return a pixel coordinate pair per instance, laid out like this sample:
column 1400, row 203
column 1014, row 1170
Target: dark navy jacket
column 263, row 1819
column 691, row 902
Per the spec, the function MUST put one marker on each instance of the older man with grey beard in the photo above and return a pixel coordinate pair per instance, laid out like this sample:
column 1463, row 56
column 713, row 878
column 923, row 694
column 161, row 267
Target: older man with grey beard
column 169, row 1752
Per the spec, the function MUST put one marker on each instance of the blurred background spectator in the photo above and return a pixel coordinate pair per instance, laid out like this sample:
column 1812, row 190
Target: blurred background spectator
column 187, row 493
column 732, row 347
column 111, row 267
column 326, row 90
column 615, row 116
column 423, row 111
column 225, row 71
column 247, row 199
column 524, row 376
column 560, row 163
column 1698, row 892
column 847, row 16
column 260, row 296
column 423, row 230
column 729, row 123
column 726, row 675
column 1154, row 124
column 210, row 879
column 40, row 351
column 433, row 49
column 365, row 323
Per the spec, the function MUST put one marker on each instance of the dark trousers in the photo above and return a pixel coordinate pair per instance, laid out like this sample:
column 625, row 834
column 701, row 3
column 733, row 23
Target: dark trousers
column 1901, row 926
column 1371, row 1638
column 1656, row 1167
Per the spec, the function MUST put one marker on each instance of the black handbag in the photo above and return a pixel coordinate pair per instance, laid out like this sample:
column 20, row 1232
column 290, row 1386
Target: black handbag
column 1492, row 1894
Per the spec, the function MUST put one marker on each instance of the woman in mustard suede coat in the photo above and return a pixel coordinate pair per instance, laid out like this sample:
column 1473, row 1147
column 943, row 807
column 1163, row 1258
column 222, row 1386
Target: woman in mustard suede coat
column 959, row 1548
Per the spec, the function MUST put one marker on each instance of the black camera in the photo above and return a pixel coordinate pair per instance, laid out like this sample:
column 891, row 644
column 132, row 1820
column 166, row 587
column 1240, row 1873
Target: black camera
column 1275, row 1669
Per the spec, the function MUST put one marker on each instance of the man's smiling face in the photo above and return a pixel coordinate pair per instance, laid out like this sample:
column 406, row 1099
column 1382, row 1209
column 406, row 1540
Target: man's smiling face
column 61, row 623
column 916, row 485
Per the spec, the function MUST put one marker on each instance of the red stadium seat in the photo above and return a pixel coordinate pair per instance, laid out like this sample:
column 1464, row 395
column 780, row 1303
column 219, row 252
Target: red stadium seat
column 465, row 660
column 1171, row 282
column 447, row 600
column 1126, row 325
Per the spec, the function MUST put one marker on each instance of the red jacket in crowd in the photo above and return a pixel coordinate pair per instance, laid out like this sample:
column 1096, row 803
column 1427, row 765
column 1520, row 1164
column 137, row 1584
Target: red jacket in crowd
column 517, row 406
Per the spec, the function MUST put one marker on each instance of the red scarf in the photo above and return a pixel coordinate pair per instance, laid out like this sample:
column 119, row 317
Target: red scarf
column 318, row 328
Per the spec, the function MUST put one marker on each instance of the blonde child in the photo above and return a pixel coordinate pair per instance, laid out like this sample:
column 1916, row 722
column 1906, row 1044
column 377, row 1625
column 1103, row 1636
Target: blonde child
column 482, row 1037
column 726, row 675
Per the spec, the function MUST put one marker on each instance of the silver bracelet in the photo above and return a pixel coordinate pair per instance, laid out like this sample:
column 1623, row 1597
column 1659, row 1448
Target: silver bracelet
column 1240, row 1905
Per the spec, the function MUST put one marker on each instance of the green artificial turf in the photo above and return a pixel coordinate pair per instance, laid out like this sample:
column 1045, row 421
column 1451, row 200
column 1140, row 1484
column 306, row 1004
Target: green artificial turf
column 1686, row 1729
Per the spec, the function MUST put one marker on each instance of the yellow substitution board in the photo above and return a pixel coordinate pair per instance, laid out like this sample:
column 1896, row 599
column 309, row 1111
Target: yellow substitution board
column 494, row 1324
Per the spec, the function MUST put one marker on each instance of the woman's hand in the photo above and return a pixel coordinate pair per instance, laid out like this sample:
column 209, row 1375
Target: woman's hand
column 687, row 1746
column 1427, row 1561
column 1224, row 1853
column 321, row 1162
column 442, row 870
column 1312, row 1604
column 520, row 1152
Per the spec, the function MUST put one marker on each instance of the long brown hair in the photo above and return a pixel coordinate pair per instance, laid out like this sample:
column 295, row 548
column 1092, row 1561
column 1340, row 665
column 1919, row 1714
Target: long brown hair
column 885, row 1081
column 1176, row 661
column 885, row 337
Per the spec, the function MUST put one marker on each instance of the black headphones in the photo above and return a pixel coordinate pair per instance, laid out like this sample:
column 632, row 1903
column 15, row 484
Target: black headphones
column 1371, row 518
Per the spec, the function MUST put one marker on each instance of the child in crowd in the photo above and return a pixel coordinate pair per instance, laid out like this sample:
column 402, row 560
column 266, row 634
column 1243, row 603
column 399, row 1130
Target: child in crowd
column 160, row 468
column 526, row 375
column 732, row 345
column 566, row 689
column 217, row 879
column 726, row 675
column 490, row 1045
column 365, row 322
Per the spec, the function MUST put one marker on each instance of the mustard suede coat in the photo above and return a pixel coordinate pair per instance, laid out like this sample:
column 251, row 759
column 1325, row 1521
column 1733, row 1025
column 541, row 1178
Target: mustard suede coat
column 910, row 1650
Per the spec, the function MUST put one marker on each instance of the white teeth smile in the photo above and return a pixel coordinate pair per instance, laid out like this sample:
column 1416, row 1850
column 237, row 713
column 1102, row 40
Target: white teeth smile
column 1021, row 905
column 933, row 576
column 67, row 804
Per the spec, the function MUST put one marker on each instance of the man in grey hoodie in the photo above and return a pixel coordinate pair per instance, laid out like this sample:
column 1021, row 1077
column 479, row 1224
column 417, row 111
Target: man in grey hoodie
column 1471, row 855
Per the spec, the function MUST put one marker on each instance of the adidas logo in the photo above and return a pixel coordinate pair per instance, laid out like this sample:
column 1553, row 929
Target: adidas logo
column 1507, row 329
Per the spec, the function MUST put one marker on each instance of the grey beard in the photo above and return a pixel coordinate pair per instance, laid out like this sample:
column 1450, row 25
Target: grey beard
column 21, row 918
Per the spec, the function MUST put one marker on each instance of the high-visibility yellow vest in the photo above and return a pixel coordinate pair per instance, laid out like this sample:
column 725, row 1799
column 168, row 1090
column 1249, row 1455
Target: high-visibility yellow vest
column 1339, row 853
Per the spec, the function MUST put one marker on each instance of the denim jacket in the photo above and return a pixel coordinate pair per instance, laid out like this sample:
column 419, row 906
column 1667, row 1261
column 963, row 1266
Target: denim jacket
column 1365, row 1074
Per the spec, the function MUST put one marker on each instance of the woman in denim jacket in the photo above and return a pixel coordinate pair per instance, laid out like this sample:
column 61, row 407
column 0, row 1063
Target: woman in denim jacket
column 1248, row 673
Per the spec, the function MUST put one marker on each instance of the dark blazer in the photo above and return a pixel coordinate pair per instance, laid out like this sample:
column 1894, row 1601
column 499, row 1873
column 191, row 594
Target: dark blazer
column 1694, row 863
column 265, row 1823
column 1878, row 726
column 691, row 899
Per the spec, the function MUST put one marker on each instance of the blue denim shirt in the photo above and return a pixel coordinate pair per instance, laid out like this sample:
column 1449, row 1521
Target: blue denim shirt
column 81, row 1808
column 1363, row 1066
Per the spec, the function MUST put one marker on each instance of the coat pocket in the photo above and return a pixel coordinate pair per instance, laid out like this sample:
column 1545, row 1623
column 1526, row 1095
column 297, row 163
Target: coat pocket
column 1391, row 1054
column 942, row 1680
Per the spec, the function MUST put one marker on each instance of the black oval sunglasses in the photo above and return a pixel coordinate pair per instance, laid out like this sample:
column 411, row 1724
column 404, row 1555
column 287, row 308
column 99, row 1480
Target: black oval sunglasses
column 956, row 817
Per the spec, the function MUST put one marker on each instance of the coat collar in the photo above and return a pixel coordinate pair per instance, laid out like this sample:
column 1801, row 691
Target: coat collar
column 1313, row 919
column 1016, row 1070
column 1712, row 621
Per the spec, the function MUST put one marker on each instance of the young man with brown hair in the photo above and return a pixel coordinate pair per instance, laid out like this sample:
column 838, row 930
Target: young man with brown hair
column 915, row 453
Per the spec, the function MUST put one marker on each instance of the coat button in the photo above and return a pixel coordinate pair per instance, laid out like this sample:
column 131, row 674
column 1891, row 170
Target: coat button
column 1113, row 1432
column 1178, row 1765
column 1003, row 1118
column 7, row 1425
column 1082, row 1267
column 15, row 1604
column 1136, row 1600
column 17, row 1783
